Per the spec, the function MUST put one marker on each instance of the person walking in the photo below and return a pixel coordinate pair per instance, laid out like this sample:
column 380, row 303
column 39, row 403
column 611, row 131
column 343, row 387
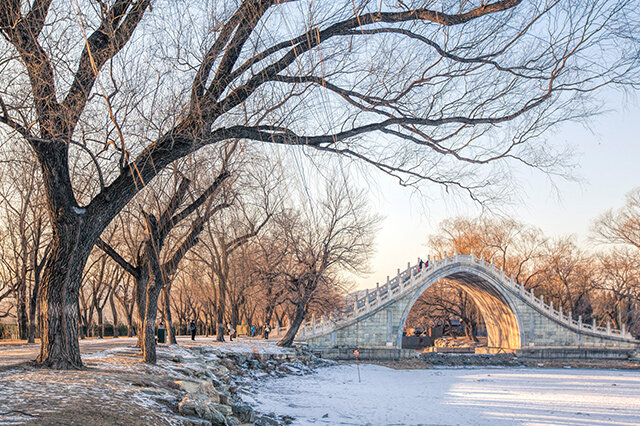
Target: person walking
column 253, row 331
column 267, row 329
column 193, row 328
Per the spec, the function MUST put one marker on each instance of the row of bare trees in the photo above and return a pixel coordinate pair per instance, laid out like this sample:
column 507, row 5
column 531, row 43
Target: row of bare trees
column 108, row 95
column 599, row 280
column 240, row 247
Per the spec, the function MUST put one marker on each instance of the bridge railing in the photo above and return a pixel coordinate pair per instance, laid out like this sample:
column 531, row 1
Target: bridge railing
column 412, row 277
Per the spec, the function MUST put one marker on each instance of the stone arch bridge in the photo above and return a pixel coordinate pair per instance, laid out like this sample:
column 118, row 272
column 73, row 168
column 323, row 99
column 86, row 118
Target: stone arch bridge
column 515, row 318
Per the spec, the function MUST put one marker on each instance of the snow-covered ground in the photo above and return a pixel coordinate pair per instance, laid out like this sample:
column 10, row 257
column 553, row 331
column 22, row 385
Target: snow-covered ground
column 453, row 396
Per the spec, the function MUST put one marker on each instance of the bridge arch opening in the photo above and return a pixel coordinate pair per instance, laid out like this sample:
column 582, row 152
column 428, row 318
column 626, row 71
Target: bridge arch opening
column 503, row 328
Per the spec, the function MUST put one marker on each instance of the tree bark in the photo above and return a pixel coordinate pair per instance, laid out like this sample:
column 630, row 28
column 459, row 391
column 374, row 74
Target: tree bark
column 33, row 305
column 59, row 300
column 23, row 322
column 114, row 314
column 287, row 340
column 100, row 323
column 170, row 328
column 149, row 330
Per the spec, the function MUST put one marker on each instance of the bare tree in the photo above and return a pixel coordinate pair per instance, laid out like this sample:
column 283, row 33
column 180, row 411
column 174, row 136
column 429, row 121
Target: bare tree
column 333, row 235
column 618, row 280
column 153, row 268
column 76, row 85
column 621, row 226
column 257, row 200
column 24, row 237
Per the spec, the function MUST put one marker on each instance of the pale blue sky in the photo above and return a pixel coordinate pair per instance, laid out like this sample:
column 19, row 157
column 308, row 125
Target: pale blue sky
column 609, row 167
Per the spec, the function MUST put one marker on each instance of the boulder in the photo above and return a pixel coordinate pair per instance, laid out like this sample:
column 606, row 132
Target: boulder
column 204, row 387
column 195, row 405
column 221, row 372
column 244, row 413
column 224, row 409
column 225, row 398
column 266, row 421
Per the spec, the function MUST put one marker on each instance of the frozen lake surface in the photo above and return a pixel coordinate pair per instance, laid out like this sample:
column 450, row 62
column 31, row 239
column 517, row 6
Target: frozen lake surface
column 454, row 396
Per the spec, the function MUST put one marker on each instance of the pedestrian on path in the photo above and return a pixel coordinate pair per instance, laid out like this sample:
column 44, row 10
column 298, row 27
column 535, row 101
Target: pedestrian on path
column 193, row 328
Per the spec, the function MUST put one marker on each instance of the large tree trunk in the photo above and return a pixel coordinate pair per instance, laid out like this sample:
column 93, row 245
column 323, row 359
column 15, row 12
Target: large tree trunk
column 170, row 328
column 149, row 330
column 220, row 316
column 100, row 323
column 74, row 234
column 59, row 300
column 23, row 322
column 114, row 314
column 141, row 301
column 287, row 340
column 33, row 305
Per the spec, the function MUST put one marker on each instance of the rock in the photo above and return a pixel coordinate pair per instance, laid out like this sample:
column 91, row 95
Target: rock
column 221, row 372
column 188, row 385
column 177, row 359
column 232, row 421
column 244, row 413
column 207, row 389
column 266, row 421
column 204, row 387
column 225, row 398
column 191, row 406
column 224, row 409
column 217, row 418
column 194, row 405
column 254, row 364
column 228, row 363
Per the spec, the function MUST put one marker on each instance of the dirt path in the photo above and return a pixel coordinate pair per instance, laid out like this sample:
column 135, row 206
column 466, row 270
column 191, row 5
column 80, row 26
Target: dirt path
column 16, row 351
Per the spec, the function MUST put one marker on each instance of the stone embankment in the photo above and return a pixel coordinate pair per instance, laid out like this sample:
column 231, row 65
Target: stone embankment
column 435, row 360
column 217, row 380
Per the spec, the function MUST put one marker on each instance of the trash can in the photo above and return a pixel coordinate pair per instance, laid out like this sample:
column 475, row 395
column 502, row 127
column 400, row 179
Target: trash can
column 162, row 335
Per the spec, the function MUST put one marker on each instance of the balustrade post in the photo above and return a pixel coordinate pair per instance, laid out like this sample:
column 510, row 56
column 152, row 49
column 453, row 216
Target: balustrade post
column 542, row 299
column 608, row 327
column 623, row 328
column 471, row 252
column 560, row 310
column 579, row 321
column 551, row 305
column 593, row 323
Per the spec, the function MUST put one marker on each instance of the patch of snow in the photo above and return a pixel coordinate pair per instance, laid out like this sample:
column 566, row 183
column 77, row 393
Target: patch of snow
column 506, row 396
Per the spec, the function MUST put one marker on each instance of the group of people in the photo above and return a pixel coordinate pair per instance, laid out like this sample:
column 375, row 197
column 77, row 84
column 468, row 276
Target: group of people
column 422, row 264
column 231, row 331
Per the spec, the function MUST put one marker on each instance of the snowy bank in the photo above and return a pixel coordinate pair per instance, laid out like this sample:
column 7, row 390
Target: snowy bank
column 504, row 396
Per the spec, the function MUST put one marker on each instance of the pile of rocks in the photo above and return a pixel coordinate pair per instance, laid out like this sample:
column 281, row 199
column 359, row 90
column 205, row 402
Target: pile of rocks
column 216, row 381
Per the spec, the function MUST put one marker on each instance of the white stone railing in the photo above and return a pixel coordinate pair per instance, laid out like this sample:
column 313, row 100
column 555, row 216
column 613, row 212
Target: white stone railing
column 413, row 277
